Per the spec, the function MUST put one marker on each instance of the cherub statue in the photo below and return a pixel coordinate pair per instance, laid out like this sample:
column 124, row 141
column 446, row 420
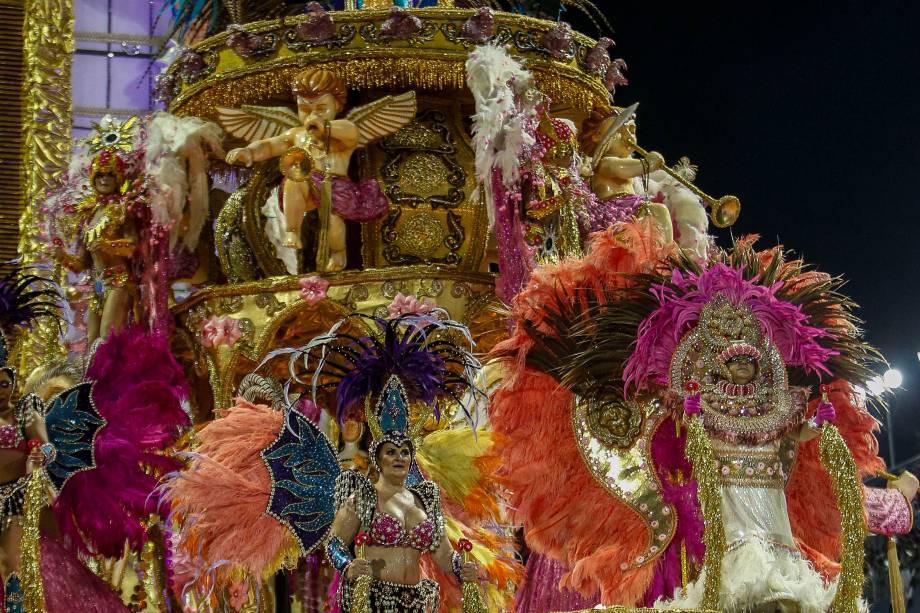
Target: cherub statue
column 614, row 171
column 315, row 150
column 106, row 234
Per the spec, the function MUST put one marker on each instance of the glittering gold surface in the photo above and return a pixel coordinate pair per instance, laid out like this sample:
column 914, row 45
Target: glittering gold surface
column 48, row 44
column 46, row 126
column 472, row 599
column 30, row 557
column 432, row 60
column 839, row 463
column 613, row 441
column 271, row 315
column 709, row 488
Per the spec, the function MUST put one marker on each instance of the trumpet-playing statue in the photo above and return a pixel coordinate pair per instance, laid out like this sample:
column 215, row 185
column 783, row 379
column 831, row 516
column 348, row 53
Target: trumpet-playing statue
column 315, row 151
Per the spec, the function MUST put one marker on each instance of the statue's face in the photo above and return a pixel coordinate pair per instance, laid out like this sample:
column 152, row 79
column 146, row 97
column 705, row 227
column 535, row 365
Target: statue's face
column 105, row 183
column 352, row 431
column 324, row 107
column 743, row 369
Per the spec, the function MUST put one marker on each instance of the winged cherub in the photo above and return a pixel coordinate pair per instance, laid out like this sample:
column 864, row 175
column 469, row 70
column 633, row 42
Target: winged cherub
column 315, row 150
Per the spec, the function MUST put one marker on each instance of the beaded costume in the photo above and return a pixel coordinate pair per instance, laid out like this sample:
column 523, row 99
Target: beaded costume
column 651, row 415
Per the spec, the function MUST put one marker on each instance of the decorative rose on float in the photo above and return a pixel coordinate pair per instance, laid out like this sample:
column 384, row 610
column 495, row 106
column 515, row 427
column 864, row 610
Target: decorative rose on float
column 239, row 594
column 313, row 289
column 246, row 44
column 220, row 330
column 558, row 40
column 598, row 57
column 318, row 27
column 615, row 76
column 191, row 64
column 480, row 27
column 409, row 305
column 400, row 25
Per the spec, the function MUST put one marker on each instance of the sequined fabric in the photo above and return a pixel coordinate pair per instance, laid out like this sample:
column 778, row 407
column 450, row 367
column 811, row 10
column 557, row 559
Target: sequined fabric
column 10, row 437
column 388, row 531
column 887, row 511
column 12, row 498
column 71, row 587
column 386, row 597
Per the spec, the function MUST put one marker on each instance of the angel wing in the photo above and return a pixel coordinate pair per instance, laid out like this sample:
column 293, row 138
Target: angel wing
column 303, row 468
column 252, row 123
column 72, row 423
column 383, row 117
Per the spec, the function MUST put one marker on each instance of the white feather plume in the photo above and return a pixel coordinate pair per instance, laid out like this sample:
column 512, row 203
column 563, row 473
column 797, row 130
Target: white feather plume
column 177, row 151
column 275, row 228
column 687, row 211
column 502, row 124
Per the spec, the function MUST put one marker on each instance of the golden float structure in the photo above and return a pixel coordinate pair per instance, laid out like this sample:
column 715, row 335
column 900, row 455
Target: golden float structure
column 433, row 242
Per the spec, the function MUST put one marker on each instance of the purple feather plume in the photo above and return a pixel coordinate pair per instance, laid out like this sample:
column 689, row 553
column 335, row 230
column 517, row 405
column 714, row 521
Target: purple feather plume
column 430, row 364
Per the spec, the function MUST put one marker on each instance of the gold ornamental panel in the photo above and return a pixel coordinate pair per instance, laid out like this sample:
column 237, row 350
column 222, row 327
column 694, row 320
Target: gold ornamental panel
column 271, row 315
column 614, row 441
column 426, row 170
column 433, row 60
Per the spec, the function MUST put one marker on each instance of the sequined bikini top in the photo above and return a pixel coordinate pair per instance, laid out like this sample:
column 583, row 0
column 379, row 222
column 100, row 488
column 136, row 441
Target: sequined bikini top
column 11, row 438
column 388, row 531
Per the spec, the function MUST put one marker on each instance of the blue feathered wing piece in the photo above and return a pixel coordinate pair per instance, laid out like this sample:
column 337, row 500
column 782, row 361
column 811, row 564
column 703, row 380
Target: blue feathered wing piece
column 72, row 422
column 303, row 468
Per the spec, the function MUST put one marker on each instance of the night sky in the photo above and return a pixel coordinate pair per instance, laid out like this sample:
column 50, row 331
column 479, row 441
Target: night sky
column 809, row 116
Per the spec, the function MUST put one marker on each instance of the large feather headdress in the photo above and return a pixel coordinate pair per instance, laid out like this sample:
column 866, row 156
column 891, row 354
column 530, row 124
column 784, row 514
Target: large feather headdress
column 400, row 364
column 24, row 297
column 431, row 356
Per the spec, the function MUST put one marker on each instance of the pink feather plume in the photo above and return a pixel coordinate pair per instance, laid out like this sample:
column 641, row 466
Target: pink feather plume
column 681, row 303
column 139, row 388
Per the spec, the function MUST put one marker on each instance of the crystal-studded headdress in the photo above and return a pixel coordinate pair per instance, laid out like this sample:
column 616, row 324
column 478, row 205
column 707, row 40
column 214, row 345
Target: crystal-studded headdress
column 24, row 296
column 110, row 141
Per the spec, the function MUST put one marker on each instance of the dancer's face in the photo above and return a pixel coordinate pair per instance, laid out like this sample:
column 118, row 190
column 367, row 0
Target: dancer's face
column 743, row 369
column 6, row 388
column 105, row 183
column 394, row 461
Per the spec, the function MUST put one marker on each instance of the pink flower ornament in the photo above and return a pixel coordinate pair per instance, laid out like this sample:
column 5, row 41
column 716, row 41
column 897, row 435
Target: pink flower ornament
column 220, row 330
column 313, row 289
column 409, row 305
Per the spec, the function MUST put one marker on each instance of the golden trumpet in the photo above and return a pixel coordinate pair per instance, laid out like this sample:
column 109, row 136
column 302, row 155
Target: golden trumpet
column 723, row 211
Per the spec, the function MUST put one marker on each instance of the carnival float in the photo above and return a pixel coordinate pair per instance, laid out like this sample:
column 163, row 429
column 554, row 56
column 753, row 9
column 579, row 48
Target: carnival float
column 389, row 310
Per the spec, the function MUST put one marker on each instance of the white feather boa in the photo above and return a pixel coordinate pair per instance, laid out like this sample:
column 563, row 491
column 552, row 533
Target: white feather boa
column 176, row 165
column 503, row 125
column 756, row 573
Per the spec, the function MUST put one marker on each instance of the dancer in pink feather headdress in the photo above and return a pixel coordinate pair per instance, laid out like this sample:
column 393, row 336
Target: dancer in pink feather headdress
column 696, row 415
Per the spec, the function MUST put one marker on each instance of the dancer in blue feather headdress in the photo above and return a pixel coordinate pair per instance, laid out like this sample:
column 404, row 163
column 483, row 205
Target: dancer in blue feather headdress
column 402, row 371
